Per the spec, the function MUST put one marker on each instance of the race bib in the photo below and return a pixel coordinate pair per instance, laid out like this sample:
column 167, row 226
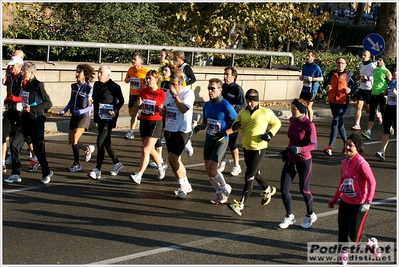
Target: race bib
column 103, row 111
column 213, row 127
column 347, row 187
column 171, row 114
column 25, row 99
column 148, row 107
column 392, row 100
column 135, row 83
column 306, row 82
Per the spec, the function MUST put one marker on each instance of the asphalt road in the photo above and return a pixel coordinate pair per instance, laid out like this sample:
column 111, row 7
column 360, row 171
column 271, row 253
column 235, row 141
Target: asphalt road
column 77, row 220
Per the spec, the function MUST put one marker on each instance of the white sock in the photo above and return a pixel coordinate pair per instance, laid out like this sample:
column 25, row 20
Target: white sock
column 214, row 183
column 220, row 179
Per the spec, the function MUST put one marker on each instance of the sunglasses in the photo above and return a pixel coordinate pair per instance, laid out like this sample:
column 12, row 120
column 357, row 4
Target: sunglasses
column 212, row 88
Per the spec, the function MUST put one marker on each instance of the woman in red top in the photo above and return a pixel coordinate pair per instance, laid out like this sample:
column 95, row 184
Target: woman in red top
column 151, row 100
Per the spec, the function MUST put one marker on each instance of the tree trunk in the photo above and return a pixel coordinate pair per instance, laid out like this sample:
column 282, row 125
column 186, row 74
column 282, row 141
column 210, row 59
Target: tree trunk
column 386, row 27
column 359, row 14
column 305, row 8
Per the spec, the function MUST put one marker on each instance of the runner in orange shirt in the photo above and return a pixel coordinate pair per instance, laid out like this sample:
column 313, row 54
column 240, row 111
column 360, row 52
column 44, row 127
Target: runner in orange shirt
column 136, row 77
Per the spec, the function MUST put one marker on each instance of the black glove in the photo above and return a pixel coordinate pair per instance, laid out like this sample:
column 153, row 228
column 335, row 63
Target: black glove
column 236, row 125
column 294, row 149
column 284, row 155
column 267, row 136
column 197, row 129
column 219, row 136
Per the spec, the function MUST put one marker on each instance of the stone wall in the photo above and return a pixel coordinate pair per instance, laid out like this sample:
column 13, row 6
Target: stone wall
column 273, row 85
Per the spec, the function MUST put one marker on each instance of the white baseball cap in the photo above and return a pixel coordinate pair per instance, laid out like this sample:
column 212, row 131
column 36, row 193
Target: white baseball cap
column 15, row 60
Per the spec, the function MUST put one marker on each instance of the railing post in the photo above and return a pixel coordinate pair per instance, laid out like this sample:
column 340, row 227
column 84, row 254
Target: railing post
column 232, row 60
column 99, row 55
column 270, row 63
column 48, row 54
column 192, row 59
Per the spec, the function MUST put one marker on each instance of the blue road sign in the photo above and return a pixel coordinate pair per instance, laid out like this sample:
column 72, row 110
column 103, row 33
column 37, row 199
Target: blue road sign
column 374, row 43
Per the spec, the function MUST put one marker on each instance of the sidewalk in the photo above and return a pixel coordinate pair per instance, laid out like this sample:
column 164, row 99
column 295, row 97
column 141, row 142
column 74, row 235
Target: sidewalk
column 56, row 123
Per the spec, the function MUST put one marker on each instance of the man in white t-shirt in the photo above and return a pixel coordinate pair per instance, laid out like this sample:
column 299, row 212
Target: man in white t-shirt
column 178, row 108
column 366, row 83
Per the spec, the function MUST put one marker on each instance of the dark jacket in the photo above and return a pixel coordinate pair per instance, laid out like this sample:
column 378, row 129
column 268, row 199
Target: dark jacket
column 37, row 98
column 107, row 93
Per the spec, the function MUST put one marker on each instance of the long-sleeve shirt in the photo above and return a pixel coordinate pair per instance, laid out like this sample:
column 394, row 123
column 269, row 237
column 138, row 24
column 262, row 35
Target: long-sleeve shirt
column 357, row 183
column 302, row 133
column 255, row 124
column 234, row 94
column 189, row 76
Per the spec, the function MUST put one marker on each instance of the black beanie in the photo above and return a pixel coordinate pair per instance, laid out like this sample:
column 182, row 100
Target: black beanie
column 382, row 57
column 357, row 140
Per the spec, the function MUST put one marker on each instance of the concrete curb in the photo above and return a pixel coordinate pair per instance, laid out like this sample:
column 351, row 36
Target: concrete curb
column 62, row 125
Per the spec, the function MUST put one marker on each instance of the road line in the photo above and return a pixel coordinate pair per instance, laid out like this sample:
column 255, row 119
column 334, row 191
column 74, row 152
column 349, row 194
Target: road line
column 195, row 244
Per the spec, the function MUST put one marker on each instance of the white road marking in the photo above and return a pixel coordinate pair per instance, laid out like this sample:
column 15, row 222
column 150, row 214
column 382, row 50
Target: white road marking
column 197, row 243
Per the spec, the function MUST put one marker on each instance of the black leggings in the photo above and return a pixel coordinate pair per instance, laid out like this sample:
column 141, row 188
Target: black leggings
column 374, row 101
column 351, row 222
column 304, row 170
column 104, row 142
column 252, row 160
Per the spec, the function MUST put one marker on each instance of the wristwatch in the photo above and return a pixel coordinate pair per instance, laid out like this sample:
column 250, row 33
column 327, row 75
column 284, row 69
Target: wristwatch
column 174, row 96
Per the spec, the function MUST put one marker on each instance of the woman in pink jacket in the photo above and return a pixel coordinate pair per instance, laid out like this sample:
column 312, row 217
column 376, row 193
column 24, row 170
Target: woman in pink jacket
column 356, row 190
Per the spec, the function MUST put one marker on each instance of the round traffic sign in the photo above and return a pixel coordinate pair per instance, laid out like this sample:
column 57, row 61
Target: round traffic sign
column 374, row 43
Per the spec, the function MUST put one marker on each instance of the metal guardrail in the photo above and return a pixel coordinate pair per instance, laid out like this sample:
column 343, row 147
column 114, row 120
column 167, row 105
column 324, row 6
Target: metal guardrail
column 149, row 48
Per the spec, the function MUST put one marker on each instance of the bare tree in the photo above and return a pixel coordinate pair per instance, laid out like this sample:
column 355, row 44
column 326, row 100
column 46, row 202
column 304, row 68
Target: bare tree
column 386, row 27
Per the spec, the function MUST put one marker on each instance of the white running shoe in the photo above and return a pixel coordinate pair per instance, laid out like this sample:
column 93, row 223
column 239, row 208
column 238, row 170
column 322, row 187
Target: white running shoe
column 89, row 151
column 344, row 257
column 13, row 178
column 222, row 165
column 162, row 170
column 267, row 195
column 183, row 190
column 95, row 174
column 136, row 177
column 152, row 164
column 375, row 248
column 236, row 170
column 163, row 140
column 75, row 168
column 309, row 220
column 290, row 220
column 116, row 168
column 46, row 179
column 237, row 207
column 129, row 135
column 219, row 198
column 189, row 148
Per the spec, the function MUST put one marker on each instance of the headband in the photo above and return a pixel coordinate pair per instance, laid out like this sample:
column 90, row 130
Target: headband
column 252, row 97
column 299, row 106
